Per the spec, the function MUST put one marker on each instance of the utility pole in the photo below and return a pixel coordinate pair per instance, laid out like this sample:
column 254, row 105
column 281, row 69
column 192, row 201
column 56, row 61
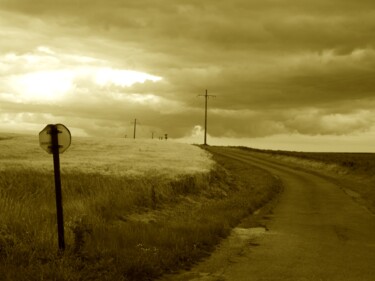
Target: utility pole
column 135, row 127
column 205, row 115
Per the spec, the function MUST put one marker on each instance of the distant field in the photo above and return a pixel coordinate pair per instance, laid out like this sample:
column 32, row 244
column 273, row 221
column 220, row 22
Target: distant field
column 351, row 162
column 120, row 157
column 133, row 209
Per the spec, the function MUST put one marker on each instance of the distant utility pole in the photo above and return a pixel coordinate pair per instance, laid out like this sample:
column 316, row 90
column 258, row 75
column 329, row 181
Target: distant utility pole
column 135, row 127
column 205, row 115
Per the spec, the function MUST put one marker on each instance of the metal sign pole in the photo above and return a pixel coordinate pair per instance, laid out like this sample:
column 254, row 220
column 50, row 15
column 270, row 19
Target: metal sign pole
column 56, row 164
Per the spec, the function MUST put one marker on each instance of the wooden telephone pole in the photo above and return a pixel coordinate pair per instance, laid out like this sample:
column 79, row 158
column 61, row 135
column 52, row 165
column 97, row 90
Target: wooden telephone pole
column 205, row 115
column 135, row 127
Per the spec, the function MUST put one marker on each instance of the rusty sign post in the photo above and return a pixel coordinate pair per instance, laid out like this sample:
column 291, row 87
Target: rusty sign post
column 55, row 139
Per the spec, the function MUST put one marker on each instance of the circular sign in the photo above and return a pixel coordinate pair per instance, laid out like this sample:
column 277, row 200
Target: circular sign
column 63, row 137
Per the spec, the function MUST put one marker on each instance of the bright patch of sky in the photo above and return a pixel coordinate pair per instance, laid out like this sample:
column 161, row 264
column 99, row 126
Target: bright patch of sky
column 46, row 76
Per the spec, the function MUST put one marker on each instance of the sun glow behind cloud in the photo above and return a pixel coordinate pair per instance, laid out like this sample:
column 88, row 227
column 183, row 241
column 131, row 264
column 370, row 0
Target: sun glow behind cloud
column 120, row 77
column 43, row 85
column 45, row 76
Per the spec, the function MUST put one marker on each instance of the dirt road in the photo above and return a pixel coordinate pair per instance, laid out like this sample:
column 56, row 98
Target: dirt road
column 316, row 232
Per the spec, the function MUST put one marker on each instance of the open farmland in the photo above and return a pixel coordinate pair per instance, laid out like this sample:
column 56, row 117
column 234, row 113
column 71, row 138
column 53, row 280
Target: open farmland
column 132, row 209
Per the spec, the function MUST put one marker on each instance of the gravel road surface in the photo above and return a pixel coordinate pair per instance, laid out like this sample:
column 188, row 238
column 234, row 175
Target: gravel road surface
column 315, row 232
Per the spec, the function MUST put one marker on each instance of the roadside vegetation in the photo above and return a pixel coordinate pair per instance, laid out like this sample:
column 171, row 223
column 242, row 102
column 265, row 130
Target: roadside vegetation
column 119, row 225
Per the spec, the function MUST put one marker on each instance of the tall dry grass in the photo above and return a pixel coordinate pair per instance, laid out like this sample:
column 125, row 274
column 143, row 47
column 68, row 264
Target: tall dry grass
column 117, row 157
column 96, row 213
column 119, row 225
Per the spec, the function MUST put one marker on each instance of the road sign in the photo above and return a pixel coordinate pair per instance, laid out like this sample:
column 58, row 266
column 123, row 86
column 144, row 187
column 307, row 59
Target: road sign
column 55, row 139
column 64, row 138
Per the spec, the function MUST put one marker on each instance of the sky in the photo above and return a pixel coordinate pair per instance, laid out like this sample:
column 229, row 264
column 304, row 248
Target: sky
column 286, row 74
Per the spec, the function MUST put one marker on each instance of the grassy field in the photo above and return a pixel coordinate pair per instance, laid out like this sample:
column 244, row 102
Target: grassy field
column 112, row 157
column 133, row 210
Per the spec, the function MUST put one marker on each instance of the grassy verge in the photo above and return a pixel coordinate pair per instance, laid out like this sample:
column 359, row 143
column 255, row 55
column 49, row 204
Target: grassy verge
column 186, row 218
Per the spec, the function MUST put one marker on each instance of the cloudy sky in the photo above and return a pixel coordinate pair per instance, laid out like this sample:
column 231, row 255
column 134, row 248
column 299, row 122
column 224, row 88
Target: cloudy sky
column 287, row 74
